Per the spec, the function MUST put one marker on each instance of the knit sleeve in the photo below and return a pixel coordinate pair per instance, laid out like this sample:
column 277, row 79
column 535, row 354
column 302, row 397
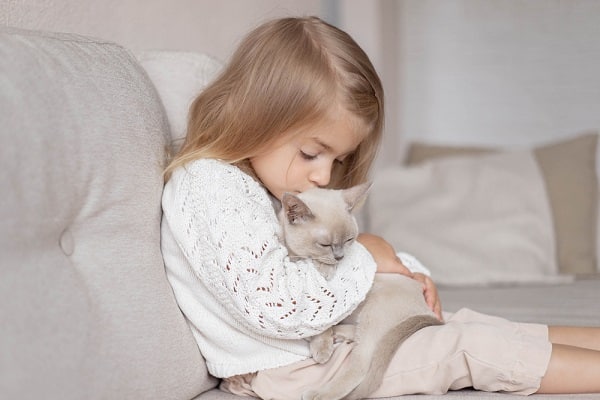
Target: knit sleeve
column 224, row 223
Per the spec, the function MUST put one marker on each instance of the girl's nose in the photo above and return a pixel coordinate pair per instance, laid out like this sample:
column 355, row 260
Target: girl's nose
column 321, row 176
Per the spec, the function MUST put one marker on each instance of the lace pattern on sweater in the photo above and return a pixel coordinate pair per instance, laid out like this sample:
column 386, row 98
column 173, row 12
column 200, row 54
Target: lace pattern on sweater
column 230, row 238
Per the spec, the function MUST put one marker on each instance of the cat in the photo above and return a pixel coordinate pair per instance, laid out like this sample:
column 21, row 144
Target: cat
column 320, row 224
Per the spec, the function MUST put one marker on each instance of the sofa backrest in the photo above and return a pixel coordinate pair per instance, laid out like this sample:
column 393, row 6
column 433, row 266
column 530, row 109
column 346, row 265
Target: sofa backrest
column 85, row 308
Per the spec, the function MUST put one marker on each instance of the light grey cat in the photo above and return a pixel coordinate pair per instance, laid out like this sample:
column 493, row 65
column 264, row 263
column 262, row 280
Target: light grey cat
column 319, row 224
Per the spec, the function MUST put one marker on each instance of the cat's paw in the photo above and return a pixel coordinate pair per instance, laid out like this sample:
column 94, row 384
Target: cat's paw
column 323, row 353
column 343, row 333
column 321, row 346
column 327, row 271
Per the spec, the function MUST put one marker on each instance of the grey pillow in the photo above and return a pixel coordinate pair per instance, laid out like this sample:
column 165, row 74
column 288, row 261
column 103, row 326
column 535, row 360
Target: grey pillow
column 85, row 307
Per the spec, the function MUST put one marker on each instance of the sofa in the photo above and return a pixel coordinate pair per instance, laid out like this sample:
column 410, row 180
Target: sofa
column 85, row 308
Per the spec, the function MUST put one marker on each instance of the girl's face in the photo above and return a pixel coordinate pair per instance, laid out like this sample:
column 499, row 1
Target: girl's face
column 302, row 161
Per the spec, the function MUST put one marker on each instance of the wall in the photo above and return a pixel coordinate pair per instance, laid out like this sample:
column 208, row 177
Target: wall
column 491, row 72
column 209, row 26
column 487, row 72
column 481, row 72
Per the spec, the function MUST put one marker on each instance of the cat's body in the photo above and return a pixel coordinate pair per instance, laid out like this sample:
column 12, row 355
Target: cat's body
column 319, row 224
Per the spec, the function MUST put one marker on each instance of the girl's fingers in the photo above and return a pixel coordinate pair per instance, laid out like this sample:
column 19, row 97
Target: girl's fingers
column 431, row 295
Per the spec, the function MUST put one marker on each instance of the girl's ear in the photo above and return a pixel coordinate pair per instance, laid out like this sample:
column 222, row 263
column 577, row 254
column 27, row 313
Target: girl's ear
column 356, row 195
column 296, row 211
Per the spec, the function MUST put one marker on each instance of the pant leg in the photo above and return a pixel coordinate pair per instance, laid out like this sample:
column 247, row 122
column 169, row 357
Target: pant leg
column 470, row 349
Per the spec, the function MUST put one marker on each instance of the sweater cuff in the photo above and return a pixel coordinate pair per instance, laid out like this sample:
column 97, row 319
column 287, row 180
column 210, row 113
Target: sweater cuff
column 412, row 263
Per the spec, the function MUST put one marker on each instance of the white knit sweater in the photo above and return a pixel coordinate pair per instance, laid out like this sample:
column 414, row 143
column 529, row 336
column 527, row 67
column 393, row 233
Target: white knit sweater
column 247, row 304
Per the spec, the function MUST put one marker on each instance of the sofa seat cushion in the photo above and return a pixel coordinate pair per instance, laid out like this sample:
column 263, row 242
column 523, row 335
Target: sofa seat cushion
column 85, row 307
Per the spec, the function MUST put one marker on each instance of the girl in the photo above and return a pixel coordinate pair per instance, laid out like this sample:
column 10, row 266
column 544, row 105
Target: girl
column 300, row 105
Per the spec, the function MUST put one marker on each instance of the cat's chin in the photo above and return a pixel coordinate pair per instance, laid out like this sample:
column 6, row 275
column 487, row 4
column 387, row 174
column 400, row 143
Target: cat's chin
column 326, row 270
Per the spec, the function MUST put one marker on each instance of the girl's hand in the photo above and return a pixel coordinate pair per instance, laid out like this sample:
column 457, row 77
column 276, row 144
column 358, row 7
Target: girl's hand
column 388, row 262
column 431, row 294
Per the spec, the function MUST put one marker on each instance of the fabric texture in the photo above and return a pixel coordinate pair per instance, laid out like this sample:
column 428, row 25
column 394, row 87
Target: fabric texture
column 85, row 307
column 470, row 350
column 570, row 173
column 248, row 305
column 474, row 220
column 412, row 263
column 179, row 77
column 546, row 304
column 568, row 304
column 569, row 170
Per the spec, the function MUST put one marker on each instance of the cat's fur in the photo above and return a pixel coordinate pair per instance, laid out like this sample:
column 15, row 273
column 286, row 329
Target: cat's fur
column 319, row 224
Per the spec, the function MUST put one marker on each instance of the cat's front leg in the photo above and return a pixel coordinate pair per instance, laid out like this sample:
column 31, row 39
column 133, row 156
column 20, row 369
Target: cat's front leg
column 344, row 333
column 326, row 270
column 321, row 346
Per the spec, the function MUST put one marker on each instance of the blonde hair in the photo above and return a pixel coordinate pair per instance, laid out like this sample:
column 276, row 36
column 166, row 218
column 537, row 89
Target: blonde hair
column 286, row 74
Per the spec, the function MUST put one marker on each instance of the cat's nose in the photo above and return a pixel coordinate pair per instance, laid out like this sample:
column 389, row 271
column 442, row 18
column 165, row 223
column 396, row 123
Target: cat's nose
column 337, row 251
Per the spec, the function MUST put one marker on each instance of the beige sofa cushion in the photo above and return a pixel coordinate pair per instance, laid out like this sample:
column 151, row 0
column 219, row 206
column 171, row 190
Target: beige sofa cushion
column 86, row 310
column 569, row 170
column 479, row 220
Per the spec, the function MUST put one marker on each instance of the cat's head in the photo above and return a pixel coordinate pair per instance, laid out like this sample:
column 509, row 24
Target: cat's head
column 319, row 223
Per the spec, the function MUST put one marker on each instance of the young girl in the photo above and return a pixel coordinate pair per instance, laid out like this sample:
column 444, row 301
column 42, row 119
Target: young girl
column 299, row 105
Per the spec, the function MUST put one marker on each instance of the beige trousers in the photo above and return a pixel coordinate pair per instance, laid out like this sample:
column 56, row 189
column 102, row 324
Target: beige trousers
column 470, row 350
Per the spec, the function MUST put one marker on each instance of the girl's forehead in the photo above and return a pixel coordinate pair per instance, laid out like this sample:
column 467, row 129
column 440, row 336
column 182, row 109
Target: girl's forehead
column 339, row 135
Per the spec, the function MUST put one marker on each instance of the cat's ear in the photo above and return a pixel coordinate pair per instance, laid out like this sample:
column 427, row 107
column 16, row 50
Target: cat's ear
column 296, row 211
column 356, row 195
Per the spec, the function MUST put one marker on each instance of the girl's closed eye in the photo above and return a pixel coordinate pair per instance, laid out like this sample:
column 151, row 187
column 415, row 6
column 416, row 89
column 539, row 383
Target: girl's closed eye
column 308, row 156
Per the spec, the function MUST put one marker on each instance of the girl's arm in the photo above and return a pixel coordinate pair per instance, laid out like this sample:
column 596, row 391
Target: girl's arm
column 384, row 254
column 388, row 262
